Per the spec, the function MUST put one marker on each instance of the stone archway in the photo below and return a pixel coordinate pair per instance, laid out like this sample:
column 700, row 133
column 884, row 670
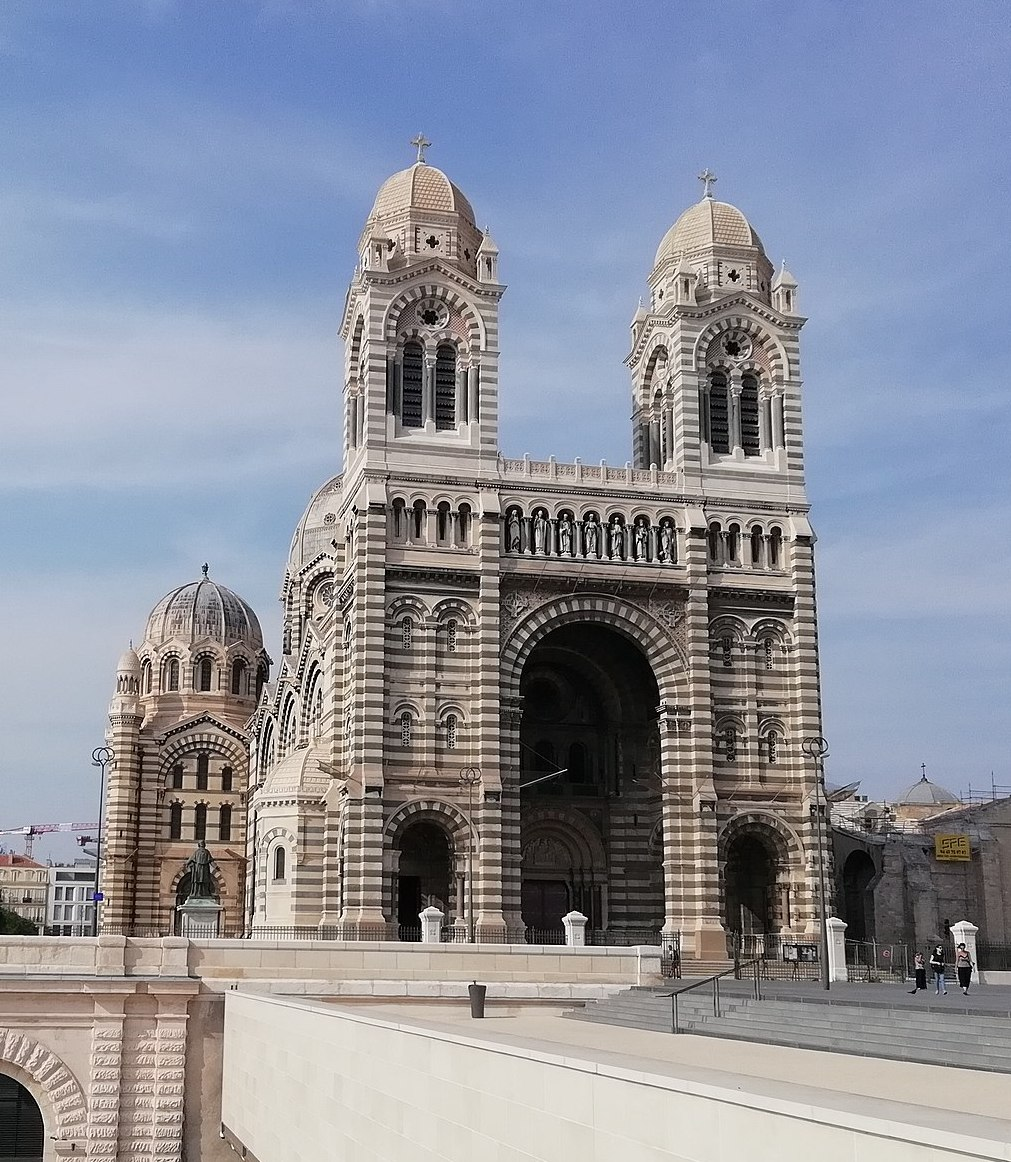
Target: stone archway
column 858, row 874
column 22, row 1133
column 44, row 1075
column 425, row 872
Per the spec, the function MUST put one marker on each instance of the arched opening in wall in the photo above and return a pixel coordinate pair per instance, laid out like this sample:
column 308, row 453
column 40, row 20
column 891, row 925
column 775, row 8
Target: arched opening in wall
column 425, row 873
column 412, row 379
column 170, row 675
column 443, row 524
column 752, row 885
column 240, row 683
column 176, row 821
column 750, row 441
column 399, row 530
column 204, row 675
column 857, row 900
column 145, row 677
column 464, row 517
column 445, row 387
column 719, row 413
column 261, row 681
column 418, row 522
column 22, row 1133
column 589, row 706
column 200, row 821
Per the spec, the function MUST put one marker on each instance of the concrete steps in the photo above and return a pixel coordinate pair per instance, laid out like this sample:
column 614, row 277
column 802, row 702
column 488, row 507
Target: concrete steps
column 964, row 1039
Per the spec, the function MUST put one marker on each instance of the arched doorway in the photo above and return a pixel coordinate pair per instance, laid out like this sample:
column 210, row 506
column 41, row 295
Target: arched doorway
column 588, row 748
column 22, row 1134
column 750, row 885
column 858, row 903
column 425, row 872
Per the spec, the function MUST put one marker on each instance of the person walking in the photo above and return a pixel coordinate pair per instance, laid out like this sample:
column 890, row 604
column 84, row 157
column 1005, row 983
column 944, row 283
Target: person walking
column 919, row 974
column 937, row 968
column 963, row 968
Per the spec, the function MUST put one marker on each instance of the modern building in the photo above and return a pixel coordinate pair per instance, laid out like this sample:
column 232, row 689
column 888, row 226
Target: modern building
column 70, row 909
column 24, row 888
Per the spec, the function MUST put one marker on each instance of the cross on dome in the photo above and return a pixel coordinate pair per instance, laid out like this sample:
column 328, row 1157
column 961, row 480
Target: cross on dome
column 421, row 143
column 708, row 179
column 205, row 569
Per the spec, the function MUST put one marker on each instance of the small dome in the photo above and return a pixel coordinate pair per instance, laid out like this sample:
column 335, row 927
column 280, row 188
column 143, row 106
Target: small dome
column 318, row 528
column 202, row 609
column 421, row 187
column 128, row 663
column 924, row 793
column 707, row 224
column 298, row 773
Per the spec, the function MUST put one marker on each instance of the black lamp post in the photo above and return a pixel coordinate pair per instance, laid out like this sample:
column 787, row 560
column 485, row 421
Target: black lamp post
column 101, row 757
column 816, row 748
column 469, row 778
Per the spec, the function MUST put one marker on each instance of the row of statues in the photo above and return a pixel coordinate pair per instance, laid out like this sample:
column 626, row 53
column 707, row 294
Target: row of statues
column 615, row 541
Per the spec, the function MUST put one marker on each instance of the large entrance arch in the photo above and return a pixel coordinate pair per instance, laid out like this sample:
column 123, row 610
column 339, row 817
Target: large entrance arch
column 589, row 752
column 22, row 1133
column 858, row 902
column 425, row 871
column 756, row 878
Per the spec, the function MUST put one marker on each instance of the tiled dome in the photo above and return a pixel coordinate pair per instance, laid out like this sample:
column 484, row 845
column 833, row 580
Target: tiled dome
column 299, row 773
column 203, row 609
column 421, row 187
column 707, row 224
column 924, row 793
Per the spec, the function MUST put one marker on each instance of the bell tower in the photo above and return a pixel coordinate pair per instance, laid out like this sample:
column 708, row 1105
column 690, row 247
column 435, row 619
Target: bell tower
column 420, row 329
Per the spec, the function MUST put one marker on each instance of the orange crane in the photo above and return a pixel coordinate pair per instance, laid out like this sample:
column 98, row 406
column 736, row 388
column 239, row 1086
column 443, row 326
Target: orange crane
column 32, row 830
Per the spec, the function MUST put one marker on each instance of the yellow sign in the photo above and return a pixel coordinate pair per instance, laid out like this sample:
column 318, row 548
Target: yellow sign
column 952, row 847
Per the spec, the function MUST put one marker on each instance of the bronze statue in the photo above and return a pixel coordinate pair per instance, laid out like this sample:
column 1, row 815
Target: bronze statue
column 200, row 866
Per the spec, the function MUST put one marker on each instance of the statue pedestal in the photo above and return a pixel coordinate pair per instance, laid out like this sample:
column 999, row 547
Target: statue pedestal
column 199, row 919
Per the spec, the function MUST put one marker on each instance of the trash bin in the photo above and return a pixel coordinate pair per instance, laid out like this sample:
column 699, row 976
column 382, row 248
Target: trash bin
column 477, row 994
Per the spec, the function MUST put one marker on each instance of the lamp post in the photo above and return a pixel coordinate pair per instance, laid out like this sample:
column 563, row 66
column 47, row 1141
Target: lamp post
column 469, row 778
column 816, row 748
column 101, row 757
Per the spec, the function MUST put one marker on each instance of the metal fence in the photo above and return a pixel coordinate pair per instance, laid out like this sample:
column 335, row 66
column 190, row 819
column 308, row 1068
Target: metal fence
column 778, row 957
column 993, row 955
column 869, row 960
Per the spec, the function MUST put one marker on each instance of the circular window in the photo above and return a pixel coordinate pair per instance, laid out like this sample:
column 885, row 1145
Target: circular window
column 433, row 314
column 736, row 345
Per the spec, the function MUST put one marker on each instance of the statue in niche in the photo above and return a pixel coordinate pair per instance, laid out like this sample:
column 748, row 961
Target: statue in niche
column 200, row 866
column 617, row 538
column 540, row 531
column 514, row 534
column 641, row 539
column 666, row 541
column 565, row 536
column 591, row 535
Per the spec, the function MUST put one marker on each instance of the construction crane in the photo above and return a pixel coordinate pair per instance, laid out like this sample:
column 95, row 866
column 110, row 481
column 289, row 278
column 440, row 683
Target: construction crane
column 32, row 830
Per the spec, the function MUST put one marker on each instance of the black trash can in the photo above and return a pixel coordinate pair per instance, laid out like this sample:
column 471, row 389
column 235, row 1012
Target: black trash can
column 477, row 994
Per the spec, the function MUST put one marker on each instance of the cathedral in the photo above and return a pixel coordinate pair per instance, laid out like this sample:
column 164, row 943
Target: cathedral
column 507, row 689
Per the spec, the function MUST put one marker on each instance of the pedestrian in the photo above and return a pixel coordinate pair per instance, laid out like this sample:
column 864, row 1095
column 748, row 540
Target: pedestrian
column 919, row 973
column 937, row 968
column 963, row 968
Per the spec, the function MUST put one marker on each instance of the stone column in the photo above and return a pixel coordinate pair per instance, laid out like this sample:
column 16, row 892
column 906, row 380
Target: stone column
column 963, row 932
column 836, row 949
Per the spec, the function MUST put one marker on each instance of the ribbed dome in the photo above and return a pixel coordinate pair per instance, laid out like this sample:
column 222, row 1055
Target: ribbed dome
column 298, row 773
column 203, row 609
column 924, row 793
column 421, row 187
column 707, row 224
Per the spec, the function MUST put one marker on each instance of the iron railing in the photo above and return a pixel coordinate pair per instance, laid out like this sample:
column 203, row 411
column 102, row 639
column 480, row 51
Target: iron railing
column 779, row 957
column 870, row 961
column 993, row 955
column 753, row 968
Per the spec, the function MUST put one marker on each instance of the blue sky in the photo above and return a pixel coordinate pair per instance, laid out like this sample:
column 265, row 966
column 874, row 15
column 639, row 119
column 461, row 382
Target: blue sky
column 182, row 185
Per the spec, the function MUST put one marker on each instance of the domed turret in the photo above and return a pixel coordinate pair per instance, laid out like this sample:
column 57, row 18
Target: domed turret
column 924, row 793
column 420, row 187
column 128, row 673
column 203, row 609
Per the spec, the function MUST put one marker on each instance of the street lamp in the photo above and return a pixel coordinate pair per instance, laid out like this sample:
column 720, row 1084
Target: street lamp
column 101, row 757
column 469, row 778
column 816, row 748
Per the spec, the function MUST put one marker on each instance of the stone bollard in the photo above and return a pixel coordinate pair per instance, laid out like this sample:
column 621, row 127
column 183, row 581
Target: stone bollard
column 575, row 930
column 963, row 932
column 431, row 925
column 836, row 949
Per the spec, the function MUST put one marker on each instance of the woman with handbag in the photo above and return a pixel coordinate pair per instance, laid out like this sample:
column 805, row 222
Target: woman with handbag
column 963, row 968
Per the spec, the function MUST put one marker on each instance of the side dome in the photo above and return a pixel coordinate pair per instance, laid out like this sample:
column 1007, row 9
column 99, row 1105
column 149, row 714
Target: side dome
column 299, row 773
column 318, row 528
column 420, row 187
column 924, row 793
column 203, row 609
column 706, row 225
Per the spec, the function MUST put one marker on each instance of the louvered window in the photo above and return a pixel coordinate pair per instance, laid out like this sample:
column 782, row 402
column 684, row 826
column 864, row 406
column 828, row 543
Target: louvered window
column 413, row 379
column 22, row 1137
column 749, row 416
column 719, row 414
column 445, row 387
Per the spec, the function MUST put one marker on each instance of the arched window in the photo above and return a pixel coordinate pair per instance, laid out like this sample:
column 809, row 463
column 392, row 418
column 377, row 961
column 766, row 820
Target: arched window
column 203, row 768
column 749, row 416
column 399, row 520
column 175, row 827
column 407, row 633
column 177, row 777
column 775, row 547
column 451, row 626
column 405, row 729
column 443, row 524
column 719, row 413
column 204, row 674
column 464, row 526
column 418, row 532
column 445, row 387
column 756, row 546
column 727, row 651
column 145, row 677
column 261, row 681
column 734, row 544
column 715, row 536
column 451, row 724
column 225, row 823
column 769, row 650
column 772, row 747
column 413, row 375
column 316, row 720
column 239, row 684
column 226, row 778
column 200, row 821
column 171, row 673
column 730, row 744
column 280, row 858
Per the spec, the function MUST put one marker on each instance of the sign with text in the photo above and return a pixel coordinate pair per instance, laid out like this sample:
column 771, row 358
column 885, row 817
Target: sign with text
column 952, row 848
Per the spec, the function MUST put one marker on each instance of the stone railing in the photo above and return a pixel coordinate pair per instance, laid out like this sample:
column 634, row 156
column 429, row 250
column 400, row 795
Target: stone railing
column 600, row 474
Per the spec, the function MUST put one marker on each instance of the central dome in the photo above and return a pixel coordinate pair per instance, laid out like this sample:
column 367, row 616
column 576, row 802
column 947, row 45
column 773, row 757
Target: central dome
column 705, row 225
column 420, row 187
column 203, row 609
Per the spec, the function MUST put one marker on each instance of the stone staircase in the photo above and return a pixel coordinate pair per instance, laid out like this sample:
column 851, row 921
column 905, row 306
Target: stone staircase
column 957, row 1037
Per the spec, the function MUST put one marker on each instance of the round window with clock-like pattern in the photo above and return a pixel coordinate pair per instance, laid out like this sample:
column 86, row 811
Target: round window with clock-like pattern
column 434, row 315
column 736, row 345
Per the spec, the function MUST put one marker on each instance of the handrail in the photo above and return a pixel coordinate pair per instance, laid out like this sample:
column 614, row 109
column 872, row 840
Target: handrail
column 714, row 980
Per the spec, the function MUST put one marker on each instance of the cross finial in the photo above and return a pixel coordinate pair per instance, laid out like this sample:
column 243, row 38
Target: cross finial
column 205, row 569
column 923, row 771
column 421, row 143
column 708, row 179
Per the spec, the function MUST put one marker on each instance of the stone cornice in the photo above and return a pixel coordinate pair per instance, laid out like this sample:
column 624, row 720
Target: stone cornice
column 431, row 576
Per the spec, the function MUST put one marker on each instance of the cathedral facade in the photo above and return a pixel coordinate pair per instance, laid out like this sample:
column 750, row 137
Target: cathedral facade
column 511, row 688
